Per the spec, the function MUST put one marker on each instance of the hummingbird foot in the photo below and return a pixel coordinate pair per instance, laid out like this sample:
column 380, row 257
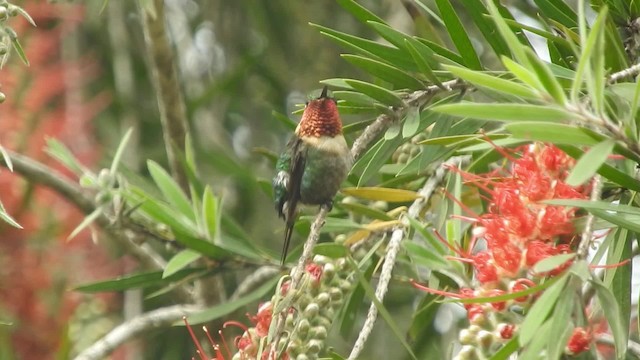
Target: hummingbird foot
column 328, row 205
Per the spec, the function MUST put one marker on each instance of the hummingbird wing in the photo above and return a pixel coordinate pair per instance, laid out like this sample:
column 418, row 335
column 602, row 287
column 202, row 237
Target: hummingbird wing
column 286, row 186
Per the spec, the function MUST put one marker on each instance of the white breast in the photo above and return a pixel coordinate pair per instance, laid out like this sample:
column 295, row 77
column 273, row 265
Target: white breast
column 336, row 144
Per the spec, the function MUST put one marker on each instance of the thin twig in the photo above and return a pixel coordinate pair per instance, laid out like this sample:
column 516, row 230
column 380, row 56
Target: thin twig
column 393, row 248
column 628, row 72
column 138, row 325
column 254, row 279
column 173, row 114
column 587, row 233
column 39, row 173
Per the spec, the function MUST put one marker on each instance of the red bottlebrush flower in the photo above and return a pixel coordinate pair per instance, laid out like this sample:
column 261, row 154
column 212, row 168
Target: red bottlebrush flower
column 508, row 258
column 521, row 285
column 262, row 320
column 499, row 305
column 485, row 270
column 580, row 341
column 506, row 330
column 315, row 271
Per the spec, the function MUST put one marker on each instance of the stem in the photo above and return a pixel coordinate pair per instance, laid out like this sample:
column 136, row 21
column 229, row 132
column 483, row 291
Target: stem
column 173, row 114
column 138, row 325
column 587, row 233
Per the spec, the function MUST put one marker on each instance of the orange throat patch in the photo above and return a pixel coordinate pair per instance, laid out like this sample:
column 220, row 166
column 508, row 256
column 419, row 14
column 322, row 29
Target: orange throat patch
column 320, row 118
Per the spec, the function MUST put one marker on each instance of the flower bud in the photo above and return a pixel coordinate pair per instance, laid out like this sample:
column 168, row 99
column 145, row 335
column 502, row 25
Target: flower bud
column 466, row 337
column 485, row 339
column 303, row 328
column 4, row 13
column 319, row 332
column 311, row 311
column 314, row 346
column 467, row 352
column 3, row 97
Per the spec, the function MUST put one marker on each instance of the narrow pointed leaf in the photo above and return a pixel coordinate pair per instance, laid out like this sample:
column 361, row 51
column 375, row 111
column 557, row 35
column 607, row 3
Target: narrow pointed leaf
column 458, row 35
column 421, row 61
column 7, row 218
column 88, row 220
column 179, row 261
column 612, row 313
column 358, row 11
column 218, row 311
column 411, row 122
column 388, row 73
column 546, row 77
column 507, row 112
column 379, row 93
column 538, row 313
column 550, row 132
column 170, row 189
column 384, row 194
column 590, row 162
column 494, row 83
column 120, row 151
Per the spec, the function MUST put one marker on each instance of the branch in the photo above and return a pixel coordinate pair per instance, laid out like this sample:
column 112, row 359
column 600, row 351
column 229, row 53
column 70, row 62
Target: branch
column 393, row 248
column 129, row 238
column 587, row 233
column 138, row 325
column 173, row 114
column 630, row 71
column 607, row 339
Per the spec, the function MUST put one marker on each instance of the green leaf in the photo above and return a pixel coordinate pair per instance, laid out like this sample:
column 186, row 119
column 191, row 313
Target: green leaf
column 590, row 162
column 507, row 112
column 618, row 278
column 558, row 11
column 558, row 329
column 170, row 189
column 420, row 255
column 411, row 122
column 366, row 47
column 120, row 151
column 506, row 350
column 538, row 313
column 494, row 83
column 548, row 132
column 607, row 171
column 18, row 47
column 228, row 307
column 88, row 220
column 61, row 152
column 202, row 246
column 616, row 220
column 421, row 60
column 546, row 77
column 367, row 211
column 523, row 74
column 393, row 75
column 333, row 224
column 331, row 250
column 159, row 211
column 24, row 14
column 517, row 49
column 379, row 193
column 551, row 263
column 358, row 11
column 6, row 158
column 7, row 218
column 458, row 35
column 479, row 14
column 612, row 313
column 376, row 92
column 210, row 213
column 179, row 261
column 134, row 281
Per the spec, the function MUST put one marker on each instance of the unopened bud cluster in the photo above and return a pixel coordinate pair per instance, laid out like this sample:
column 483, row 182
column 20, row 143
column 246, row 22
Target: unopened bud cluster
column 323, row 289
column 7, row 34
column 326, row 284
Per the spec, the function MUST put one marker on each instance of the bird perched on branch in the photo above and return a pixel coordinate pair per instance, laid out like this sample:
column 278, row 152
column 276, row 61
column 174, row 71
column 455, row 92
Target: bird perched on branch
column 314, row 164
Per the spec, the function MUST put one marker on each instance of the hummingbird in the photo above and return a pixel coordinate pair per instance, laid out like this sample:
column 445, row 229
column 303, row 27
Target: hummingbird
column 313, row 165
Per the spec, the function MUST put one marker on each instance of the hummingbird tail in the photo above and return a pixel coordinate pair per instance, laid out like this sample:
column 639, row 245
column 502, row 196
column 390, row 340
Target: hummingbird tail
column 287, row 239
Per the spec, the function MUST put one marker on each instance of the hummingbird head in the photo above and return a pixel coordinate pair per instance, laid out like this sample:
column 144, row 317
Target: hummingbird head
column 320, row 118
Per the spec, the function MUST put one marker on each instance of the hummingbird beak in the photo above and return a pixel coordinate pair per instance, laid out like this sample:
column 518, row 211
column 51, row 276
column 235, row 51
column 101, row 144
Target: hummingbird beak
column 325, row 91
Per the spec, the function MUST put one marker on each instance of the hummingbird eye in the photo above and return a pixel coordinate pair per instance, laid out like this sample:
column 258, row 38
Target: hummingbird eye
column 306, row 103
